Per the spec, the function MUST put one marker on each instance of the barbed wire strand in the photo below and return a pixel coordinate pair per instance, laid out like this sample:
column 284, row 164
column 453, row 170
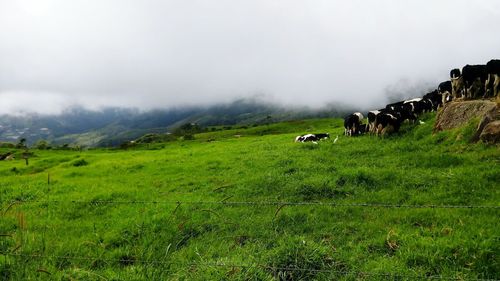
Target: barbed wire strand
column 257, row 203
column 248, row 266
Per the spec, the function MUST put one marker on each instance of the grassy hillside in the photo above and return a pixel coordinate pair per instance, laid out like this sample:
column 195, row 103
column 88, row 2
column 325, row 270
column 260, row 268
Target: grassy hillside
column 212, row 208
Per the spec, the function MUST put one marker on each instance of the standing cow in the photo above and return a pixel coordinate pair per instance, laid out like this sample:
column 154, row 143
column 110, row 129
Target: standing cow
column 492, row 85
column 445, row 89
column 372, row 116
column 456, row 83
column 474, row 78
column 352, row 123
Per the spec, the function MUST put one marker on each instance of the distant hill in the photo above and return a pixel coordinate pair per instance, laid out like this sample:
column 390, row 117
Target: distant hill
column 113, row 126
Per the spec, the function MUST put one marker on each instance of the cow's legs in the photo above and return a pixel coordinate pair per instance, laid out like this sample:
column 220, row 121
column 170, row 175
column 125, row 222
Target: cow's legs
column 496, row 86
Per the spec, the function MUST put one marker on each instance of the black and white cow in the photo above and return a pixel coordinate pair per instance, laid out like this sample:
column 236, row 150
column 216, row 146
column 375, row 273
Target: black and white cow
column 403, row 109
column 425, row 105
column 306, row 138
column 456, row 83
column 474, row 78
column 436, row 98
column 312, row 137
column 363, row 129
column 416, row 106
column 322, row 136
column 387, row 122
column 445, row 89
column 352, row 123
column 394, row 106
column 372, row 117
column 492, row 85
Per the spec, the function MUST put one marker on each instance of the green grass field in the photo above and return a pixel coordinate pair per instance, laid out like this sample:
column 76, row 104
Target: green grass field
column 209, row 209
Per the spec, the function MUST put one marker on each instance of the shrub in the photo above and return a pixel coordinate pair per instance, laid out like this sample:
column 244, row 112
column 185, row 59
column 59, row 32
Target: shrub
column 42, row 144
column 7, row 145
column 80, row 162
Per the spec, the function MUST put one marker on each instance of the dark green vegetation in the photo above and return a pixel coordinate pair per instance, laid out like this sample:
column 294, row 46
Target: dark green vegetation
column 113, row 214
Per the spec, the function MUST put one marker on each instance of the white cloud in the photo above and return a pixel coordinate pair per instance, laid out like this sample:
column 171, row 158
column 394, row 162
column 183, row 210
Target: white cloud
column 156, row 53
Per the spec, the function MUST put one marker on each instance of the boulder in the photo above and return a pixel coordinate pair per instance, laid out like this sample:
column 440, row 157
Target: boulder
column 491, row 132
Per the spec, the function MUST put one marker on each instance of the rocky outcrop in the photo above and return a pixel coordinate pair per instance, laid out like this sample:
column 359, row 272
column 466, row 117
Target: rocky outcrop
column 491, row 132
column 459, row 113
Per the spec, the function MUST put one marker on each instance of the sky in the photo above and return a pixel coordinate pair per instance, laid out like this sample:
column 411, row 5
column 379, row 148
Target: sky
column 149, row 54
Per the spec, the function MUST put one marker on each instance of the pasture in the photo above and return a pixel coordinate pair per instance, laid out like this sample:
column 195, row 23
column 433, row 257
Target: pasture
column 250, row 204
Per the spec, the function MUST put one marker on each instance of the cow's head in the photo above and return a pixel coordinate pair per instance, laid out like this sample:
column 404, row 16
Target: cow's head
column 455, row 73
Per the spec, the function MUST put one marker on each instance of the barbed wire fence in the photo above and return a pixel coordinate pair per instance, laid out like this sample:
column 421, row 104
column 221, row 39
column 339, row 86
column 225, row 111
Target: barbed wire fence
column 10, row 204
column 255, row 204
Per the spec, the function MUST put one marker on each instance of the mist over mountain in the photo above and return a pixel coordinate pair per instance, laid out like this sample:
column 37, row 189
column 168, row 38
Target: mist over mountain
column 113, row 125
column 55, row 54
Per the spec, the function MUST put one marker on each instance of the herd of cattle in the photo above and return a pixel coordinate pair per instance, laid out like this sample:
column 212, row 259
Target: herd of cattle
column 472, row 82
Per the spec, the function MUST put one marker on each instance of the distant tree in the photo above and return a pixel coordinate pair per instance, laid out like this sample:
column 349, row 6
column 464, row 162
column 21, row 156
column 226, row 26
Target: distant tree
column 42, row 144
column 21, row 143
column 26, row 155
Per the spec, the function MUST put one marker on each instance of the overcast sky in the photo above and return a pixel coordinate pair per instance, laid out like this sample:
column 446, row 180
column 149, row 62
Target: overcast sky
column 150, row 54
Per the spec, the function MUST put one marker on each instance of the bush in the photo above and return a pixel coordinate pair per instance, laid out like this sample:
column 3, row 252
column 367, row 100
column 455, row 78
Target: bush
column 42, row 144
column 80, row 162
column 188, row 137
column 155, row 138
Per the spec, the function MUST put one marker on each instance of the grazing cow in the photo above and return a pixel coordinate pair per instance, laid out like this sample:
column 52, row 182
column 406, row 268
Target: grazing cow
column 412, row 100
column 363, row 129
column 352, row 123
column 445, row 89
column 414, row 106
column 312, row 137
column 387, row 122
column 394, row 106
column 425, row 105
column 372, row 115
column 456, row 83
column 436, row 98
column 474, row 78
column 492, row 85
column 403, row 110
